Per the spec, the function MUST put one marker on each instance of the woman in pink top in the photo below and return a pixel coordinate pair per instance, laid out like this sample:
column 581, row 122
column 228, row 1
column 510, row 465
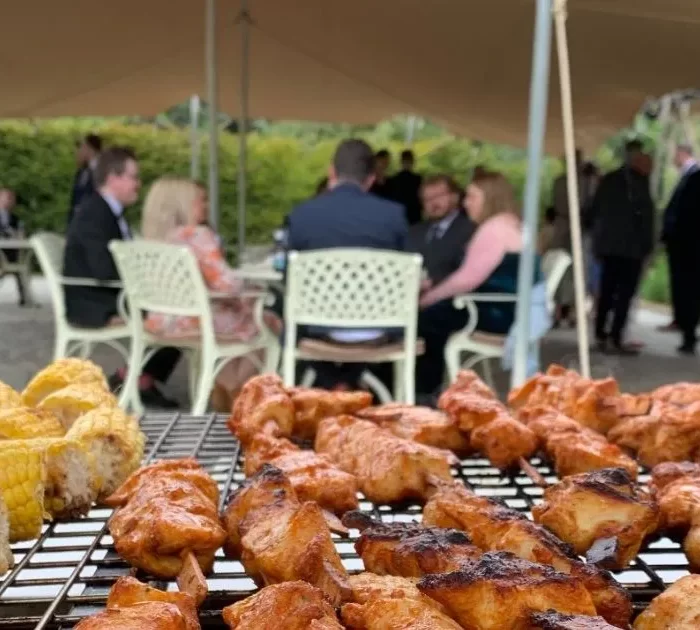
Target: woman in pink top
column 490, row 265
column 176, row 212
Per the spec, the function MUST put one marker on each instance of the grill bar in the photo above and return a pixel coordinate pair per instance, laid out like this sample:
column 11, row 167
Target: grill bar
column 66, row 574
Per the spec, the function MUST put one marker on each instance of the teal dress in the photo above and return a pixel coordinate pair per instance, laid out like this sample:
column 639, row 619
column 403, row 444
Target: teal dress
column 498, row 317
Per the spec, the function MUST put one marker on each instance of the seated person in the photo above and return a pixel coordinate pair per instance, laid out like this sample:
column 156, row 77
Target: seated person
column 445, row 231
column 101, row 220
column 11, row 227
column 176, row 212
column 490, row 266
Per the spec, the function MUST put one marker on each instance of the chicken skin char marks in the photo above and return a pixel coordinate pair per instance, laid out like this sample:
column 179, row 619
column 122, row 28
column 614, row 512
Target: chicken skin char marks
column 552, row 620
column 419, row 424
column 499, row 591
column 407, row 549
column 165, row 511
column 279, row 539
column 313, row 476
column 677, row 608
column 396, row 614
column 586, row 508
column 388, row 469
column 492, row 526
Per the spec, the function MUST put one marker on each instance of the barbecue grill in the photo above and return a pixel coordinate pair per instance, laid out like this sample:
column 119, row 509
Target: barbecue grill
column 66, row 574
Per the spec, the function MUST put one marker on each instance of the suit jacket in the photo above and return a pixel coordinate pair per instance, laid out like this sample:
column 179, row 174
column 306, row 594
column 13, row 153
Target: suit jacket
column 674, row 205
column 346, row 216
column 404, row 188
column 442, row 256
column 10, row 231
column 87, row 256
column 83, row 188
column 684, row 235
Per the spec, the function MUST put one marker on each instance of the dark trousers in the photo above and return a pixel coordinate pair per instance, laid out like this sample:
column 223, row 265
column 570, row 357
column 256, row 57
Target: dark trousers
column 687, row 292
column 618, row 284
column 12, row 256
column 675, row 270
column 161, row 365
column 435, row 325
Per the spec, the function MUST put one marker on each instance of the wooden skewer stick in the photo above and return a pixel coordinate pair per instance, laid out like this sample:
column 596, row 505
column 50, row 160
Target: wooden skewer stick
column 191, row 580
column 531, row 472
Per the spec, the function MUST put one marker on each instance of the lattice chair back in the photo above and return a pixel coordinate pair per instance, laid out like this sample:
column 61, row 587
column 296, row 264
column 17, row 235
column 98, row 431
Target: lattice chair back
column 49, row 250
column 163, row 278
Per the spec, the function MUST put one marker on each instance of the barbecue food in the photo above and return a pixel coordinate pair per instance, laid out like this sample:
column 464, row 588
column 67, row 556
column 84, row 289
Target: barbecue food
column 419, row 424
column 311, row 405
column 388, row 468
column 291, row 605
column 407, row 549
column 552, row 620
column 678, row 394
column 9, row 398
column 368, row 586
column 492, row 526
column 677, row 608
column 314, row 477
column 71, row 402
column 280, row 539
column 593, row 506
column 504, row 441
column 116, row 443
column 262, row 406
column 21, row 423
column 60, row 374
column 396, row 614
column 167, row 510
column 7, row 560
column 498, row 591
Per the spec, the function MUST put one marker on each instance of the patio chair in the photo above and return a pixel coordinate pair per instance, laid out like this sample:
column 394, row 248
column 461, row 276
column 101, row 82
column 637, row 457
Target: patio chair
column 354, row 289
column 70, row 339
column 486, row 346
column 166, row 279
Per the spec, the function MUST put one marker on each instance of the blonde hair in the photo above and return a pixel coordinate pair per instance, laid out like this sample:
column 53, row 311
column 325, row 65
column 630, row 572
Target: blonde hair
column 499, row 195
column 168, row 206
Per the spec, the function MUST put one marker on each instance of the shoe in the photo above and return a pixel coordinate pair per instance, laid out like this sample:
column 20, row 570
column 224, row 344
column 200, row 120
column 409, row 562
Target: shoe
column 686, row 349
column 670, row 327
column 154, row 398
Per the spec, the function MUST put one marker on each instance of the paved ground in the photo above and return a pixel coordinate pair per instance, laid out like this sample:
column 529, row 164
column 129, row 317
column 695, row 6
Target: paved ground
column 26, row 344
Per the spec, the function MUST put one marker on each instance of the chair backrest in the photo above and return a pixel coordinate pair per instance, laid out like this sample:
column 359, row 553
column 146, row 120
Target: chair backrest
column 162, row 278
column 353, row 288
column 555, row 263
column 49, row 250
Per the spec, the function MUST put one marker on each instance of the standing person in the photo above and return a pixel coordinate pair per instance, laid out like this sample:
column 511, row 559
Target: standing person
column 623, row 218
column 101, row 220
column 405, row 187
column 686, row 164
column 380, row 185
column 87, row 154
column 11, row 227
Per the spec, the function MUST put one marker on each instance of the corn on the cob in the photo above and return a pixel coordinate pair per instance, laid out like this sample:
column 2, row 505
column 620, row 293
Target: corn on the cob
column 22, row 481
column 7, row 560
column 22, row 423
column 60, row 374
column 116, row 442
column 9, row 398
column 73, row 401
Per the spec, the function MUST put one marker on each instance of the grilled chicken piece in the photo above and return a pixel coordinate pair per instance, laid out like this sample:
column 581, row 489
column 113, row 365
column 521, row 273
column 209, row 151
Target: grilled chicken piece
column 262, row 406
column 168, row 510
column 368, row 586
column 419, row 424
column 499, row 590
column 677, row 608
column 388, row 468
column 396, row 614
column 552, row 620
column 280, row 539
column 492, row 526
column 631, row 433
column 408, row 549
column 668, row 472
column 504, row 441
column 468, row 409
column 314, row 477
column 679, row 394
column 311, row 405
column 291, row 605
column 593, row 506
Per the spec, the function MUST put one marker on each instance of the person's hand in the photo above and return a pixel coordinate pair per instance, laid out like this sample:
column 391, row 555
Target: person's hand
column 425, row 300
column 425, row 284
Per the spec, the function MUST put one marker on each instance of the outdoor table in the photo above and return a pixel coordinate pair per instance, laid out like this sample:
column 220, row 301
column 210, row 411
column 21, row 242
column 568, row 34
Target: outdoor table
column 23, row 266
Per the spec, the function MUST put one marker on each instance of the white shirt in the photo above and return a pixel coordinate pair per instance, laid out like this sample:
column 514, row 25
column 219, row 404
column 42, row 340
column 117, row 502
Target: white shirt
column 438, row 229
column 118, row 212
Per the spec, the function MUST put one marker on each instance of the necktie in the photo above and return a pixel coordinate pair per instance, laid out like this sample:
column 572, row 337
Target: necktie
column 433, row 233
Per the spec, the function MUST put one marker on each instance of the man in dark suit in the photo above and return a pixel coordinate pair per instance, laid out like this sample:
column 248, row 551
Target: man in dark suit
column 441, row 239
column 88, row 152
column 99, row 221
column 404, row 187
column 11, row 227
column 380, row 183
column 686, row 165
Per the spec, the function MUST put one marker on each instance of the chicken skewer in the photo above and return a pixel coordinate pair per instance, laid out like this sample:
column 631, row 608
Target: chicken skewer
column 552, row 620
column 677, row 608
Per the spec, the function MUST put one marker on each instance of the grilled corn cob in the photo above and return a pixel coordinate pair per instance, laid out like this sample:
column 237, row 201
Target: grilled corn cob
column 9, row 398
column 73, row 401
column 116, row 442
column 60, row 374
column 23, row 474
column 7, row 560
column 21, row 423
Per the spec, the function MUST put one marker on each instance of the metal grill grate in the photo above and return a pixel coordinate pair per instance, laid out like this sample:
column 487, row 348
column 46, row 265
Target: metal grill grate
column 67, row 573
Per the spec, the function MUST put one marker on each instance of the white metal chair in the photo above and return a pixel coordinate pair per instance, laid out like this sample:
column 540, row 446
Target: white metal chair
column 164, row 278
column 22, row 268
column 348, row 288
column 69, row 339
column 485, row 346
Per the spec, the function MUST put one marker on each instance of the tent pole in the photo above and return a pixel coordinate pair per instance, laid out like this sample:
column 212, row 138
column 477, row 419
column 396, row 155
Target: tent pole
column 691, row 137
column 572, row 175
column 194, row 137
column 213, row 100
column 243, row 127
column 539, row 93
column 657, row 175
